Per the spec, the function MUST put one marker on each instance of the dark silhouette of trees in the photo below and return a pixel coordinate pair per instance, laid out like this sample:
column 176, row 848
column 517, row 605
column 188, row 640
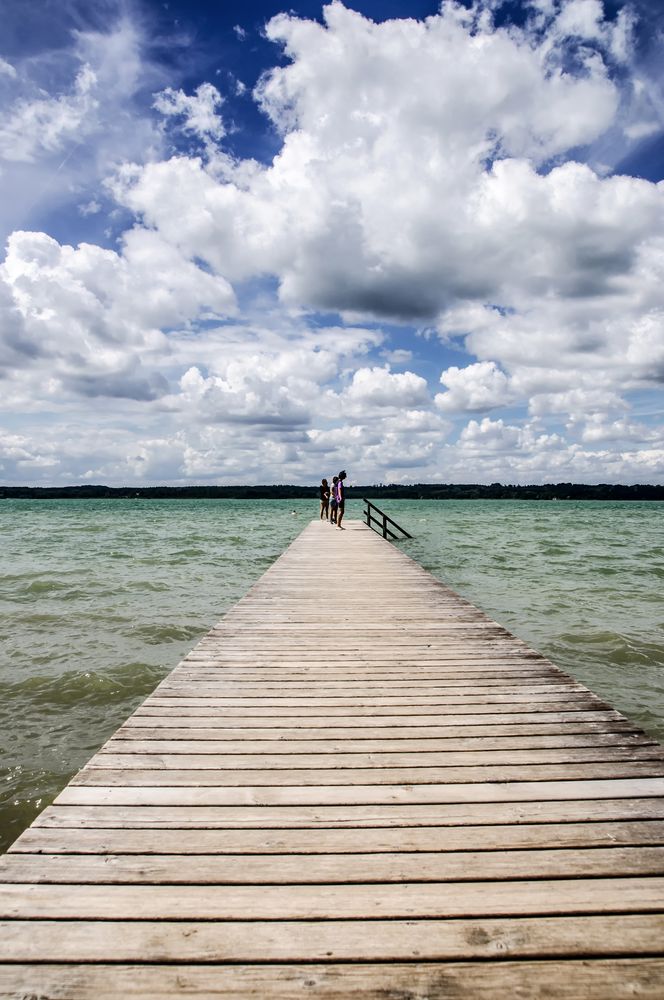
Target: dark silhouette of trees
column 394, row 491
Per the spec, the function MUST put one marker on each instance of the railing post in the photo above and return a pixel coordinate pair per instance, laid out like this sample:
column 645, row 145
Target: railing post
column 371, row 520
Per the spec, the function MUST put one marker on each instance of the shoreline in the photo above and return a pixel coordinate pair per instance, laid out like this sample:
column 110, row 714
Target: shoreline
column 418, row 491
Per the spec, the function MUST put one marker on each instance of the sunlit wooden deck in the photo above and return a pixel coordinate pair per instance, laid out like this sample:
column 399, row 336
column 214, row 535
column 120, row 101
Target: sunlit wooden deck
column 356, row 785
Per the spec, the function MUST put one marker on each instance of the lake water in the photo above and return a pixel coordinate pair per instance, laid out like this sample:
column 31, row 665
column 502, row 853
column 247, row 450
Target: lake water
column 100, row 598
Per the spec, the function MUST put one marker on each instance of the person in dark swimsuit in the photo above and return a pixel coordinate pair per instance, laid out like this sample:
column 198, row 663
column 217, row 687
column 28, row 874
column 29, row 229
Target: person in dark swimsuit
column 341, row 497
column 324, row 500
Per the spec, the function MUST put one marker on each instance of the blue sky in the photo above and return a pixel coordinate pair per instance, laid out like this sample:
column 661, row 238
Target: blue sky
column 254, row 242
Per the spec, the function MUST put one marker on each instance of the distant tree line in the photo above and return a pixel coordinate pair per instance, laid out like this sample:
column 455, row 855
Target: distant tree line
column 392, row 491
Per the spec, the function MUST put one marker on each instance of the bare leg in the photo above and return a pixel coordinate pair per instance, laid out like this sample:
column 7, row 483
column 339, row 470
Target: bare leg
column 340, row 515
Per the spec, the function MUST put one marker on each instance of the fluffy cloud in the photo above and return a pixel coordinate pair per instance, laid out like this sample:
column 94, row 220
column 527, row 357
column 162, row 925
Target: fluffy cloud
column 92, row 318
column 491, row 435
column 430, row 172
column 380, row 200
column 478, row 387
column 404, row 189
column 378, row 387
column 246, row 395
column 198, row 111
column 597, row 429
column 396, row 449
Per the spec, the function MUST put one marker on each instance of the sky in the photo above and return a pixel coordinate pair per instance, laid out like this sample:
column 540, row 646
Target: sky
column 255, row 242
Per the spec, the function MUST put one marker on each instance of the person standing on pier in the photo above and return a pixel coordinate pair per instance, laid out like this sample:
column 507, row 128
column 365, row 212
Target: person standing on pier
column 333, row 500
column 341, row 497
column 324, row 500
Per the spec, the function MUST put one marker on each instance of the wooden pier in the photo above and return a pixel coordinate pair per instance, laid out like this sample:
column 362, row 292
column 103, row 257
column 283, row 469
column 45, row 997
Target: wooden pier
column 356, row 785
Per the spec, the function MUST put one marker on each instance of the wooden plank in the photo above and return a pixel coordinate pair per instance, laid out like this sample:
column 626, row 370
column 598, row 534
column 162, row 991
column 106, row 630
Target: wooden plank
column 307, row 869
column 79, row 840
column 203, row 716
column 439, row 667
column 437, row 940
column 363, row 795
column 366, row 713
column 620, row 729
column 322, row 902
column 442, row 705
column 467, row 663
column 475, row 626
column 424, row 775
column 566, row 979
column 233, row 695
column 399, row 654
column 357, row 677
column 118, row 753
column 406, row 738
column 454, row 684
column 362, row 815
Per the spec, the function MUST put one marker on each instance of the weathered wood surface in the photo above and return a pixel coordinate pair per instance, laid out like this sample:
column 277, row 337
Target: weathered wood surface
column 571, row 979
column 356, row 785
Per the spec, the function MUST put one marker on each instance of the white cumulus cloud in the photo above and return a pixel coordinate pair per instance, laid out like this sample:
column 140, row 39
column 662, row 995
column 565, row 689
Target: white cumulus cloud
column 429, row 175
column 91, row 318
column 198, row 111
column 380, row 387
column 481, row 386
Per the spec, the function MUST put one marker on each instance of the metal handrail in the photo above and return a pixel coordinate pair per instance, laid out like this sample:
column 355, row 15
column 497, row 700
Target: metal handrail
column 383, row 521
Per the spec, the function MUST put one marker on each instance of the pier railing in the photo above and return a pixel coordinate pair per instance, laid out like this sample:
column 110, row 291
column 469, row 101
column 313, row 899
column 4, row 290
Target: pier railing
column 380, row 523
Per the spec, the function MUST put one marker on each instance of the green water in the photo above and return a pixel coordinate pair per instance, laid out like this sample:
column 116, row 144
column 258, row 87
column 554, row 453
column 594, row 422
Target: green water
column 580, row 581
column 99, row 599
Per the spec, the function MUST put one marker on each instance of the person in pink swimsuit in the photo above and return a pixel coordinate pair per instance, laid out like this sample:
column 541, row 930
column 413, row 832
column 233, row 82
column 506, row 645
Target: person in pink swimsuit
column 333, row 500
